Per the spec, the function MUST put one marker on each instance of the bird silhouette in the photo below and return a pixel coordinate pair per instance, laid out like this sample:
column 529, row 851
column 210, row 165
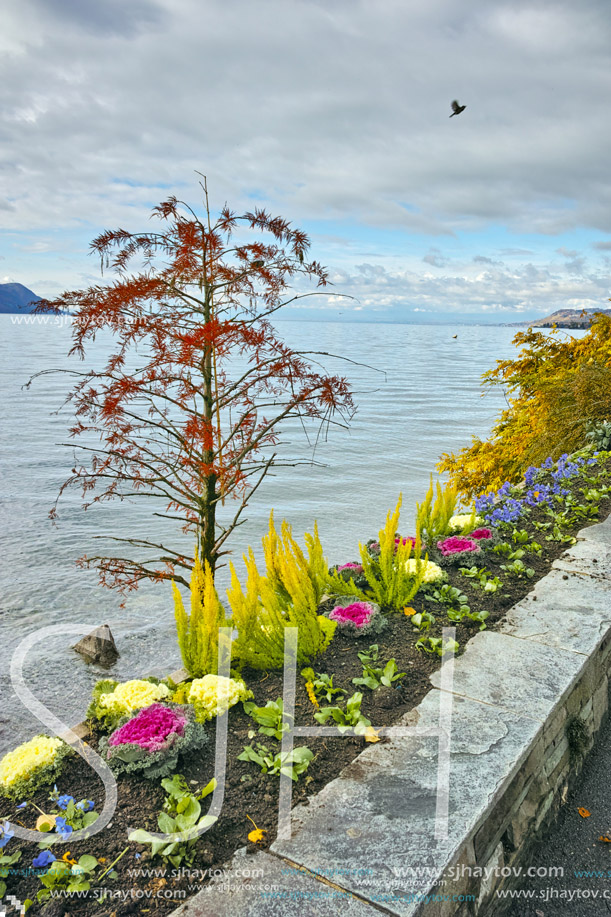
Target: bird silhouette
column 456, row 108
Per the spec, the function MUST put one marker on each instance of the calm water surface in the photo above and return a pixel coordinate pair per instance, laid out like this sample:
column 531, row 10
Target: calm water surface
column 426, row 401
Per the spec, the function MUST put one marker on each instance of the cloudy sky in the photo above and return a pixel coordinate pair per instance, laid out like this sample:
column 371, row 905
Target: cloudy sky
column 335, row 114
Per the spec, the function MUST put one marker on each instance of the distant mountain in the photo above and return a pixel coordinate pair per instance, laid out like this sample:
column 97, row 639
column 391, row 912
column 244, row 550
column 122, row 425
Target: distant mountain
column 565, row 318
column 14, row 297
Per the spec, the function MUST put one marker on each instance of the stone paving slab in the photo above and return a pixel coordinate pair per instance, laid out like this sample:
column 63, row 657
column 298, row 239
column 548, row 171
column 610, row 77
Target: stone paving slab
column 262, row 884
column 587, row 557
column 378, row 819
column 599, row 533
column 518, row 675
column 563, row 610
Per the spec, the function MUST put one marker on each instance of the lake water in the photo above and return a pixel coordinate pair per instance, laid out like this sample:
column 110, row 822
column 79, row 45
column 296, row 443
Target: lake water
column 426, row 400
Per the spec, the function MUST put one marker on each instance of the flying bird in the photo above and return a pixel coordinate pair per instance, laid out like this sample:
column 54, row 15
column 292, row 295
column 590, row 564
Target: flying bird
column 456, row 108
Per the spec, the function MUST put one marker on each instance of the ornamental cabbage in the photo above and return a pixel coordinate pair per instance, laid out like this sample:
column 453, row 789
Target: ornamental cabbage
column 462, row 521
column 213, row 695
column 152, row 740
column 431, row 572
column 32, row 765
column 112, row 700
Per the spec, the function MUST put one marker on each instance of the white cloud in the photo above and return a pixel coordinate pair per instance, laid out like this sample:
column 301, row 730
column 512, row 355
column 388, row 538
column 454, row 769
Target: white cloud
column 324, row 112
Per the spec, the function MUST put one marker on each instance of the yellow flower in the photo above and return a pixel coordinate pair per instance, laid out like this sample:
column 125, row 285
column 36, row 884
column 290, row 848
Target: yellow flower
column 213, row 695
column 133, row 695
column 310, row 689
column 258, row 834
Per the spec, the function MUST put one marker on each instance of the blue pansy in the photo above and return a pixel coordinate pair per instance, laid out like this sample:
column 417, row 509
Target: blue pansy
column 63, row 828
column 44, row 858
column 85, row 805
column 64, row 801
column 5, row 834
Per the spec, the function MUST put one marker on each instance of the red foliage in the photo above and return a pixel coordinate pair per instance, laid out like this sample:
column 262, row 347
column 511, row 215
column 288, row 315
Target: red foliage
column 187, row 408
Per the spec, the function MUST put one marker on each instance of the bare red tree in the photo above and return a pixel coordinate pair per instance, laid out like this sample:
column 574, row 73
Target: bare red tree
column 188, row 428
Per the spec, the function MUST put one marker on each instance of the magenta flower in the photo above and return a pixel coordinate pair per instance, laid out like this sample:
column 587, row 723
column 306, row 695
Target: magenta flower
column 359, row 614
column 457, row 544
column 153, row 728
column 480, row 533
column 358, row 568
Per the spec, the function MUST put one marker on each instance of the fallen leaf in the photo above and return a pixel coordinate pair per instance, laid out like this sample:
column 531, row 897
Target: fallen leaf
column 45, row 822
column 371, row 735
column 583, row 812
column 409, row 611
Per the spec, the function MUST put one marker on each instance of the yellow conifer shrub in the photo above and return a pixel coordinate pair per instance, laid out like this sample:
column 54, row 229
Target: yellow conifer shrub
column 198, row 632
column 286, row 596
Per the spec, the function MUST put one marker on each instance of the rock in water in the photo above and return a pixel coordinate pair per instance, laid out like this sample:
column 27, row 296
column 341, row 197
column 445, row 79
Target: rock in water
column 98, row 646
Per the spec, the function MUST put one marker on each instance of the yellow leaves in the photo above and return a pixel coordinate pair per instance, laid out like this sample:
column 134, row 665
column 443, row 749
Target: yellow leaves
column 584, row 812
column 372, row 735
column 257, row 835
column 409, row 611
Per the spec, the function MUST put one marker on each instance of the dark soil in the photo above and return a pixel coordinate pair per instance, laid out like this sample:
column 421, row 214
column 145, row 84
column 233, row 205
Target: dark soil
column 248, row 791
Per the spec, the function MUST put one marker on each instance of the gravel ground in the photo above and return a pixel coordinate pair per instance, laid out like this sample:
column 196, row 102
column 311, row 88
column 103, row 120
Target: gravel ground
column 572, row 843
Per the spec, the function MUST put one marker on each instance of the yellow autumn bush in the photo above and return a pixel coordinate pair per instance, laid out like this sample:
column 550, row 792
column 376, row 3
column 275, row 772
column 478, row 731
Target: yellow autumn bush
column 557, row 386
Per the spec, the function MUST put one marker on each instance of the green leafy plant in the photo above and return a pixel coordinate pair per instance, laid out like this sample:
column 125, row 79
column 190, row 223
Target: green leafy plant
column 374, row 677
column 457, row 614
column 292, row 764
column 181, row 815
column 447, row 595
column 67, row 879
column 504, row 549
column 350, row 718
column 482, row 578
column 422, row 620
column 272, row 719
column 518, row 568
column 322, row 684
column 437, row 646
column 6, row 862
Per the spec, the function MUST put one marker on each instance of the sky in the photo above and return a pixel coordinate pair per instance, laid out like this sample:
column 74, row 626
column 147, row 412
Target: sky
column 335, row 115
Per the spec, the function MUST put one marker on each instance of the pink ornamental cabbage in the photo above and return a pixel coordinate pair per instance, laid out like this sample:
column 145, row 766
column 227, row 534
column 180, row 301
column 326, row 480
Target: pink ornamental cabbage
column 375, row 546
column 480, row 533
column 410, row 538
column 359, row 614
column 150, row 729
column 358, row 568
column 456, row 544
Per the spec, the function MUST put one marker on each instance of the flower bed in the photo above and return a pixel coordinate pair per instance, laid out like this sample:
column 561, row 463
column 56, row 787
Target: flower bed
column 520, row 532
